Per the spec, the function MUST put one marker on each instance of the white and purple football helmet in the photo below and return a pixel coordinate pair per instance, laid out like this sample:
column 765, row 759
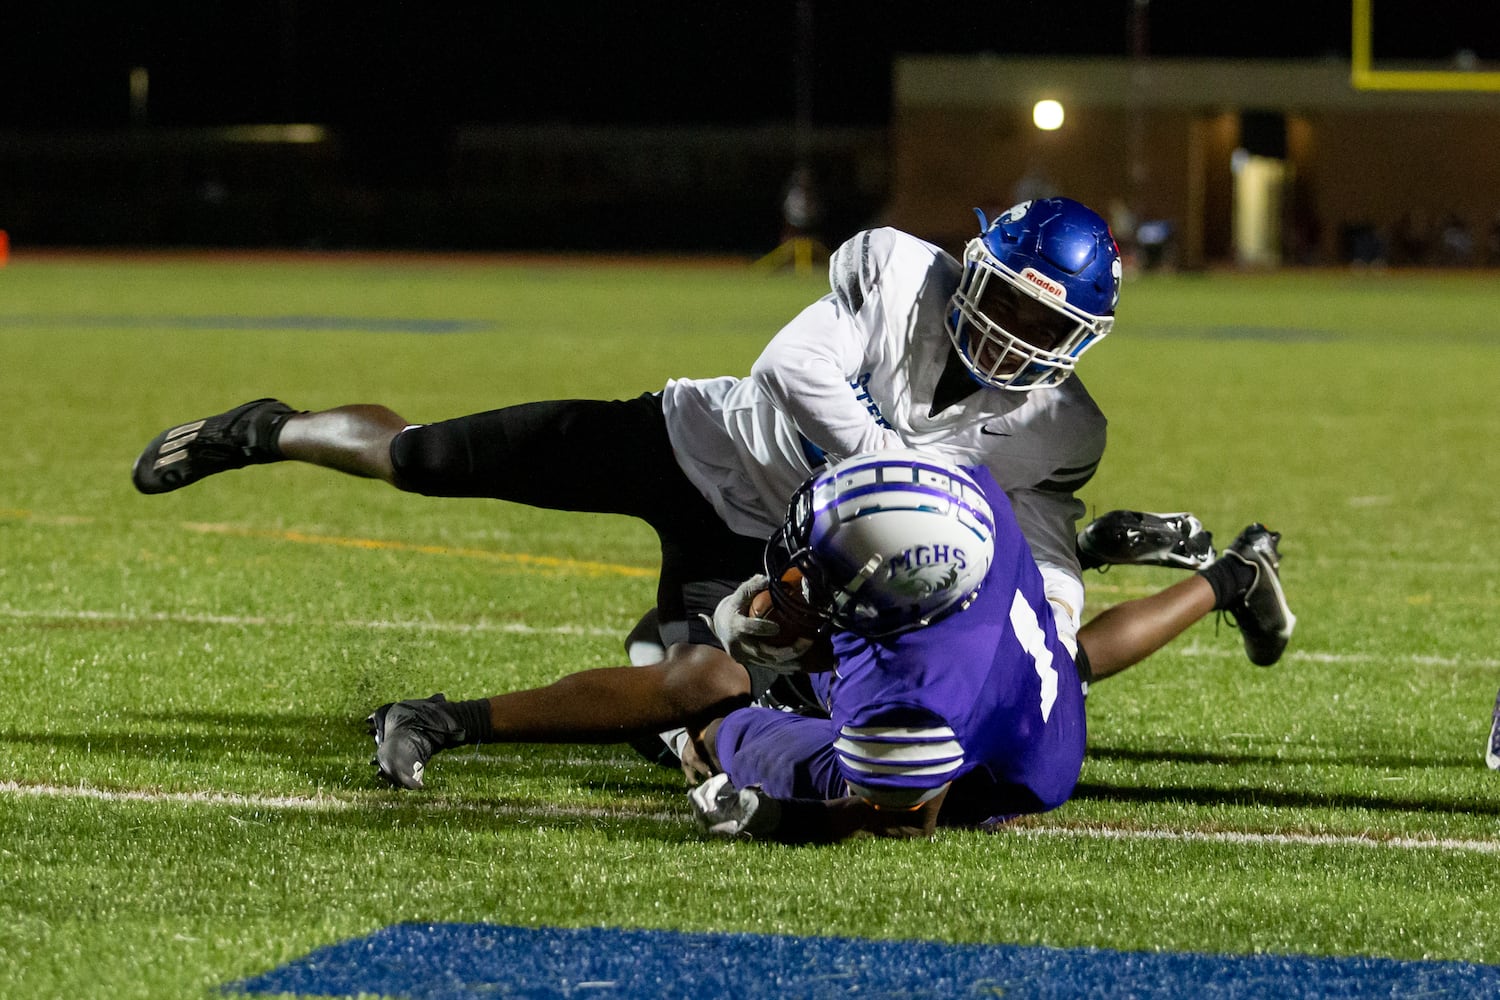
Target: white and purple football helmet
column 1039, row 287
column 882, row 543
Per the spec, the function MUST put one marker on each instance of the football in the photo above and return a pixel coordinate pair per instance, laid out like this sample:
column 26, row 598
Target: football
column 819, row 654
column 763, row 606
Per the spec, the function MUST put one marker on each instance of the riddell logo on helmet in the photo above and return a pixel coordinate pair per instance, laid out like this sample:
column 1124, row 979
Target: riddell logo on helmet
column 1045, row 283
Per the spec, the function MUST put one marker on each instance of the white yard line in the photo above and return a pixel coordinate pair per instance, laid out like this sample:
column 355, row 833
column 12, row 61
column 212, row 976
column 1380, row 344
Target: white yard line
column 1229, row 649
column 428, row 801
column 327, row 803
column 1263, row 839
column 1233, row 651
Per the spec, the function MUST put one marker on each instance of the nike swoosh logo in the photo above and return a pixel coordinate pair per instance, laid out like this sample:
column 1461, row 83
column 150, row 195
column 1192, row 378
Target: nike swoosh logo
column 1003, row 434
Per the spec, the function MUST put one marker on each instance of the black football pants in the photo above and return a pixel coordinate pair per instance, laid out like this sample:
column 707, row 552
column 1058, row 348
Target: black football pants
column 590, row 455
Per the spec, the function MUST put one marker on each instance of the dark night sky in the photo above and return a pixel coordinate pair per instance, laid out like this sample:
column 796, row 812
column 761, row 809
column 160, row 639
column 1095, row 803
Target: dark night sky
column 65, row 63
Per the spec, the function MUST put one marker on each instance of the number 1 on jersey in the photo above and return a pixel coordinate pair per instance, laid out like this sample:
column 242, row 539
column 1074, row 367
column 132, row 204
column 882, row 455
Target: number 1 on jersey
column 1023, row 618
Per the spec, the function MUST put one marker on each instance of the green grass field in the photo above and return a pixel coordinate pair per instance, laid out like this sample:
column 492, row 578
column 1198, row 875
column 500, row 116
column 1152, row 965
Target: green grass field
column 186, row 798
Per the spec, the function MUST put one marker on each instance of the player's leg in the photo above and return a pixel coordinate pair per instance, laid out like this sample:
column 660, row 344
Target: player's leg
column 1126, row 633
column 702, row 561
column 643, row 648
column 691, row 686
column 1244, row 581
column 351, row 439
column 693, row 682
column 549, row 454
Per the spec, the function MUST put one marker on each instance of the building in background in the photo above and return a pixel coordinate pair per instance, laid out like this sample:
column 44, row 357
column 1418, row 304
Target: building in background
column 1195, row 162
column 1255, row 162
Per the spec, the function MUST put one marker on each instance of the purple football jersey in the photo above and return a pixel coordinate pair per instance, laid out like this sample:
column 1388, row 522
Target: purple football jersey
column 987, row 698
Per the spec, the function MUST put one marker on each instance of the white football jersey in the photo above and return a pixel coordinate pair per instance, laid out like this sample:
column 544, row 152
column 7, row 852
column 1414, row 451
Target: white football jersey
column 857, row 371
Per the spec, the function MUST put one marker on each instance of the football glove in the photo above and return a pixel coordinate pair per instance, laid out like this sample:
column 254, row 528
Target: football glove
column 750, row 640
column 733, row 813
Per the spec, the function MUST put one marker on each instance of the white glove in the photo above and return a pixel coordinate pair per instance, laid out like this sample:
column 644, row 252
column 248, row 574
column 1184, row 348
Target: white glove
column 725, row 811
column 747, row 639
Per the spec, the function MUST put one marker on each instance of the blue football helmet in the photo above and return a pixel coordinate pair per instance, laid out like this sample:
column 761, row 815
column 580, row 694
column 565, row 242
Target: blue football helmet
column 1039, row 287
column 881, row 543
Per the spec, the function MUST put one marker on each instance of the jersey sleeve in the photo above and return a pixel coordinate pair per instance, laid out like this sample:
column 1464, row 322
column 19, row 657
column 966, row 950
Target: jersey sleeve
column 807, row 370
column 899, row 758
column 854, row 270
column 790, row 756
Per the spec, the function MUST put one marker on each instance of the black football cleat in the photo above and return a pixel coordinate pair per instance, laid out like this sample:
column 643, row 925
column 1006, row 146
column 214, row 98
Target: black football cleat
column 1139, row 538
column 182, row 455
column 1261, row 612
column 407, row 734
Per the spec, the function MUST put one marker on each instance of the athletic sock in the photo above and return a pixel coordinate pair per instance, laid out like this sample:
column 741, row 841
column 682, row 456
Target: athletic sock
column 1230, row 577
column 267, row 432
column 474, row 717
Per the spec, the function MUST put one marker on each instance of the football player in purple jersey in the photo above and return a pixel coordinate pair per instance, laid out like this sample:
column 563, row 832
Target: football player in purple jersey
column 954, row 697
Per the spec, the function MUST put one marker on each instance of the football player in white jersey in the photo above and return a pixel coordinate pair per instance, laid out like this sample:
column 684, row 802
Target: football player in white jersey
column 971, row 360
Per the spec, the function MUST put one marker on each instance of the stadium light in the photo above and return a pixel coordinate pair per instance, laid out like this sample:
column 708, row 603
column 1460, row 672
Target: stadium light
column 1047, row 115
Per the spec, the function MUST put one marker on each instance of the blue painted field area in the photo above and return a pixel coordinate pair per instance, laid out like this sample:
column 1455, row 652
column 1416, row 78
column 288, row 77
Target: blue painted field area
column 460, row 961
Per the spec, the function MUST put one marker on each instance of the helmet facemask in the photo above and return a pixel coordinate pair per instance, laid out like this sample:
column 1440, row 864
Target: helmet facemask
column 798, row 589
column 1014, row 330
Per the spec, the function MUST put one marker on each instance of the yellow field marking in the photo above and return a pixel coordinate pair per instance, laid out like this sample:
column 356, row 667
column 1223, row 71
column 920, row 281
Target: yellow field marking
column 551, row 563
column 555, row 564
column 1099, row 592
column 115, row 618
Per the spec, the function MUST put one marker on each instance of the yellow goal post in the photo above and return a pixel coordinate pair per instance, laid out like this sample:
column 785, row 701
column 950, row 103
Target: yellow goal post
column 1364, row 75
